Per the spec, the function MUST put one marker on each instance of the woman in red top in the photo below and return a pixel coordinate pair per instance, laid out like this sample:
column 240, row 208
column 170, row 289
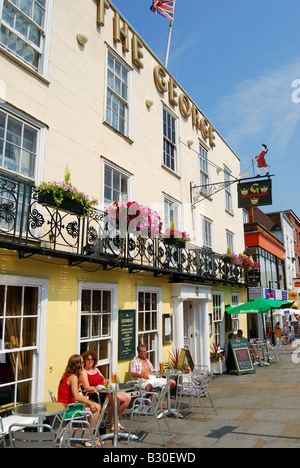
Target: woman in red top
column 68, row 390
column 91, row 377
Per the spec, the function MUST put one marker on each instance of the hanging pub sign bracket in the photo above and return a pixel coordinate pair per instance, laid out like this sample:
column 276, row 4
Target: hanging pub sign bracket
column 259, row 191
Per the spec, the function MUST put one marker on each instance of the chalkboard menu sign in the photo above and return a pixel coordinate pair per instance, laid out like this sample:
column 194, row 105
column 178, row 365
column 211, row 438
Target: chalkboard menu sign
column 126, row 334
column 239, row 352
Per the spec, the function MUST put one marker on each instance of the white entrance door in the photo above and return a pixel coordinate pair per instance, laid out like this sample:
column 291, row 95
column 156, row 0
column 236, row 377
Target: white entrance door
column 188, row 328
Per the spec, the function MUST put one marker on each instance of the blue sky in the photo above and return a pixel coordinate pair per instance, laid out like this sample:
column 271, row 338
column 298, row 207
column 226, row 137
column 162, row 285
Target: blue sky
column 240, row 62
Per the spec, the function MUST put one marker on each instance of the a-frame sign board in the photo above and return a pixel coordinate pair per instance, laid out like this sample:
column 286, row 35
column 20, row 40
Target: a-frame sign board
column 239, row 357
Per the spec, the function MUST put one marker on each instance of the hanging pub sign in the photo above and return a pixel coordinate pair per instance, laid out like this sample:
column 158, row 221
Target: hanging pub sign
column 258, row 193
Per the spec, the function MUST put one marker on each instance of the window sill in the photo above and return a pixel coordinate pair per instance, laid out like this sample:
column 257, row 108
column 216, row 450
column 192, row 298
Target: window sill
column 23, row 65
column 230, row 212
column 118, row 133
column 171, row 171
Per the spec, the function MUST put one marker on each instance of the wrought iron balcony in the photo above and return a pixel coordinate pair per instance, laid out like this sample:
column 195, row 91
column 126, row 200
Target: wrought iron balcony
column 33, row 229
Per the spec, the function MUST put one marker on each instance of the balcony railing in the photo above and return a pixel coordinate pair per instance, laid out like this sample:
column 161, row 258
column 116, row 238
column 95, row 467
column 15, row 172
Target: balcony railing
column 30, row 228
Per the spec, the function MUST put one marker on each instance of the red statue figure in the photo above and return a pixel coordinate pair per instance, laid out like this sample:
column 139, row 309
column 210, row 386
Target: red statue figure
column 260, row 159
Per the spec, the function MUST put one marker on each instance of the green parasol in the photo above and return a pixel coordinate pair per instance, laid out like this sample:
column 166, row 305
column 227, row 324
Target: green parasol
column 259, row 306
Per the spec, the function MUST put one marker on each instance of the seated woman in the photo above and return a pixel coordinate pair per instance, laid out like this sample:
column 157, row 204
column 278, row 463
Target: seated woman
column 91, row 377
column 68, row 391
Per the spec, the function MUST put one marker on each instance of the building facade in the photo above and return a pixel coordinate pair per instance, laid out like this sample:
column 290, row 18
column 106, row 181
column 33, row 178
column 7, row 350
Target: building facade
column 269, row 239
column 80, row 89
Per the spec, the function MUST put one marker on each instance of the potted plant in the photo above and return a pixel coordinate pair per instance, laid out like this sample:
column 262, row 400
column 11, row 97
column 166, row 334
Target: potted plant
column 64, row 196
column 232, row 258
column 216, row 359
column 133, row 218
column 175, row 237
column 173, row 363
column 248, row 263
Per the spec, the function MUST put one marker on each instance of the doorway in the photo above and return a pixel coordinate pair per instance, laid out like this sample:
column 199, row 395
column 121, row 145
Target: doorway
column 188, row 325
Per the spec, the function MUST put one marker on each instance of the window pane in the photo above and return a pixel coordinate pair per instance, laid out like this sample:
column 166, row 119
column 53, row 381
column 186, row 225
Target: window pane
column 14, row 300
column 2, row 292
column 26, row 7
column 30, row 301
column 29, row 332
column 27, row 164
column 14, row 131
column 38, row 14
column 84, row 326
column 96, row 301
column 86, row 301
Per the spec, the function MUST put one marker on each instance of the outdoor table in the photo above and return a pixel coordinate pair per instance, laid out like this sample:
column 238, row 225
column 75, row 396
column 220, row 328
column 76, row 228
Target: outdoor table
column 40, row 410
column 119, row 387
column 263, row 354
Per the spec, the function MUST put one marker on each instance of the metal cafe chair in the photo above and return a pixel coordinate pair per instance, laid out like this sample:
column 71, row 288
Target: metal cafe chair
column 31, row 436
column 143, row 406
column 61, row 417
column 202, row 387
column 80, row 430
column 197, row 389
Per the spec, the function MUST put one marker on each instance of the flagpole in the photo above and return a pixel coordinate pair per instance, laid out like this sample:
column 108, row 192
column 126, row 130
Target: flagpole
column 169, row 40
column 168, row 44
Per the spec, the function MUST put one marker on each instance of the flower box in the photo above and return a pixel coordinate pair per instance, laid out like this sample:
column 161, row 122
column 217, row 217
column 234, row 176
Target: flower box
column 173, row 241
column 64, row 196
column 68, row 205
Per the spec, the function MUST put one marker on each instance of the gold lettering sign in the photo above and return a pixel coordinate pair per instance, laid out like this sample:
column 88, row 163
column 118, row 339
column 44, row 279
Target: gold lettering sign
column 101, row 6
column 184, row 105
column 172, row 92
column 159, row 75
column 120, row 34
column 137, row 54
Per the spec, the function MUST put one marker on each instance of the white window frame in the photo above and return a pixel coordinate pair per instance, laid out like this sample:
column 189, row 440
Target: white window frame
column 159, row 343
column 204, row 168
column 44, row 50
column 235, row 319
column 173, row 144
column 228, row 192
column 39, row 361
column 127, row 103
column 230, row 240
column 204, row 237
column 122, row 172
column 218, row 330
column 40, row 145
column 112, row 352
column 172, row 204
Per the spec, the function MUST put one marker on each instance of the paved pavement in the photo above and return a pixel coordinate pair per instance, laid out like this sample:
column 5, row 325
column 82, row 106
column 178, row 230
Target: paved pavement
column 259, row 410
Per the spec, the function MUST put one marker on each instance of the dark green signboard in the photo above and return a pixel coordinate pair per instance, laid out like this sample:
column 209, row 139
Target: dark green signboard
column 255, row 193
column 239, row 354
column 126, row 334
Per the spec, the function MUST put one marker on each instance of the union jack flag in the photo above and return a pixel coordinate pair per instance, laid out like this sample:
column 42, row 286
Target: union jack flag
column 164, row 8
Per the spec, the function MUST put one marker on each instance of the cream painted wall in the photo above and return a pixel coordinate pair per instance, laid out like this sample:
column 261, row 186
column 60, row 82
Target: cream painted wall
column 72, row 106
